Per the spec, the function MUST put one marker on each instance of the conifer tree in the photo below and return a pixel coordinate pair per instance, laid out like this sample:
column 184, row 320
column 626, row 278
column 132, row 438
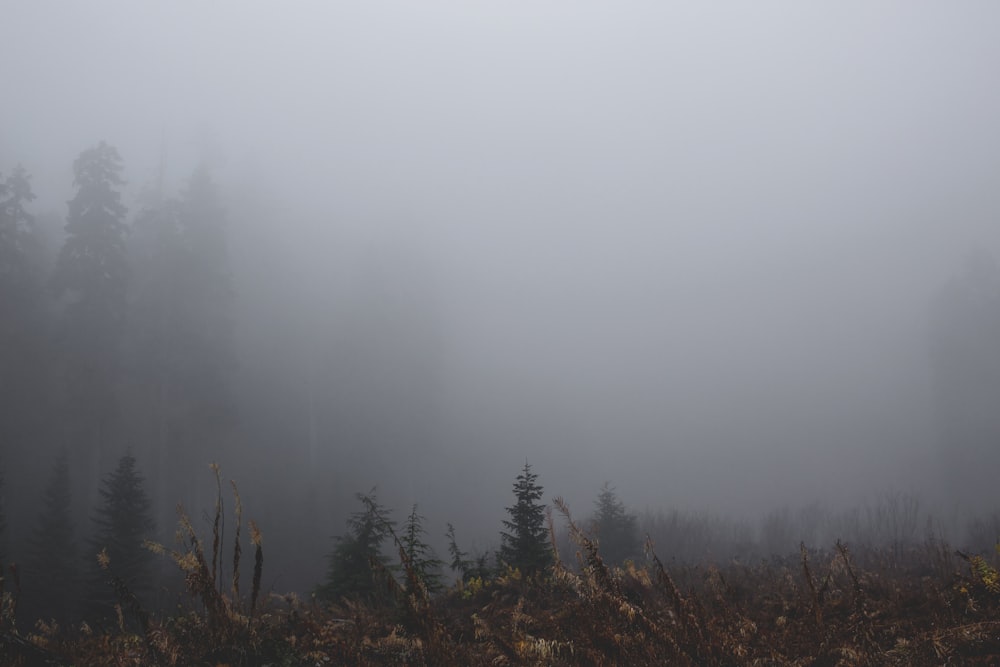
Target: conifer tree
column 459, row 559
column 616, row 528
column 17, row 240
column 22, row 349
column 422, row 558
column 122, row 522
column 51, row 572
column 91, row 271
column 350, row 564
column 525, row 544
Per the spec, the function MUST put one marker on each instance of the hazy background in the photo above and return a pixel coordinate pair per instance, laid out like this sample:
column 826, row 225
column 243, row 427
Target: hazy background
column 689, row 248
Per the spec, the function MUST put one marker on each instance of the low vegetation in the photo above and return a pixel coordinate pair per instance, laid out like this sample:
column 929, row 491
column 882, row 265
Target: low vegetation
column 918, row 603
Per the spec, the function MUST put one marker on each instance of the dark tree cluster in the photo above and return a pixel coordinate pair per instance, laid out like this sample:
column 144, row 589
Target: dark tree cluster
column 117, row 348
column 361, row 557
column 66, row 578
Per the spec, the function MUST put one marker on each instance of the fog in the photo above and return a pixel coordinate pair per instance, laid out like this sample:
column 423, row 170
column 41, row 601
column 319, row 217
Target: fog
column 690, row 249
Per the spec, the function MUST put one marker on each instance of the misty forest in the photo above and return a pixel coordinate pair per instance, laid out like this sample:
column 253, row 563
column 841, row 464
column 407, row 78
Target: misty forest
column 652, row 333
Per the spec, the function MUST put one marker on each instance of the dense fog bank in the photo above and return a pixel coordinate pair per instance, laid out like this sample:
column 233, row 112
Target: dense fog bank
column 730, row 260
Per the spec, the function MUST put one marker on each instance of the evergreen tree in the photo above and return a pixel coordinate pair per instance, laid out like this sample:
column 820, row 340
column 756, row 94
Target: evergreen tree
column 422, row 559
column 22, row 350
column 17, row 241
column 51, row 571
column 616, row 528
column 122, row 522
column 91, row 272
column 468, row 568
column 459, row 559
column 525, row 544
column 350, row 564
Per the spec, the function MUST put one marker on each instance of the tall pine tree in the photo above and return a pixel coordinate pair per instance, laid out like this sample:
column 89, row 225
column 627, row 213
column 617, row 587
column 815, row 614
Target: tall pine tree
column 22, row 342
column 122, row 522
column 17, row 241
column 525, row 544
column 51, row 580
column 424, row 562
column 91, row 273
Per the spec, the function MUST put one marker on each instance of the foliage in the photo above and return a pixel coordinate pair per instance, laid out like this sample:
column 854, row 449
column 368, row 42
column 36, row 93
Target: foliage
column 616, row 528
column 91, row 265
column 525, row 545
column 831, row 607
column 92, row 272
column 17, row 240
column 355, row 560
column 229, row 625
column 122, row 524
column 51, row 576
column 459, row 559
column 23, row 362
column 469, row 569
column 418, row 554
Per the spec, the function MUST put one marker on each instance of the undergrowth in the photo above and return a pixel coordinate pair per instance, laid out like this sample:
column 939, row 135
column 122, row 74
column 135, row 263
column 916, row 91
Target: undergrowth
column 922, row 605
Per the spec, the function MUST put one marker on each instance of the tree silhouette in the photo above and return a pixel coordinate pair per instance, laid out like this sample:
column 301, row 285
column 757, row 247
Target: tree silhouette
column 122, row 522
column 350, row 571
column 23, row 353
column 51, row 573
column 616, row 528
column 525, row 544
column 17, row 240
column 91, row 272
column 423, row 560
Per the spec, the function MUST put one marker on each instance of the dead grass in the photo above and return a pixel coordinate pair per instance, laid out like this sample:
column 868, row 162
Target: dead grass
column 920, row 605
